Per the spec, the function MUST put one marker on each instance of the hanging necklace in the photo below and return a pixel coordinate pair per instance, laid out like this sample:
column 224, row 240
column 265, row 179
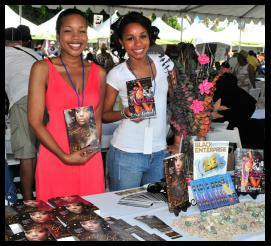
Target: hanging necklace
column 73, row 85
column 131, row 70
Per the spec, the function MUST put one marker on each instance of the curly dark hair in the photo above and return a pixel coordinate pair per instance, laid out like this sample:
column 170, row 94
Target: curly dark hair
column 117, row 29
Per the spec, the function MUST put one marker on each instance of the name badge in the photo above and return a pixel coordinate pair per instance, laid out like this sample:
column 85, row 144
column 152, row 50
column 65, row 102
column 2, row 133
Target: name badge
column 148, row 140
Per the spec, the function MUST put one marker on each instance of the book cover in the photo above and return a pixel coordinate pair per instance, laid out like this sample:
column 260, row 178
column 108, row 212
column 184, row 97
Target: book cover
column 210, row 158
column 60, row 201
column 141, row 98
column 81, row 128
column 33, row 232
column 177, row 192
column 28, row 206
column 213, row 192
column 74, row 212
column 93, row 228
column 249, row 171
column 46, row 219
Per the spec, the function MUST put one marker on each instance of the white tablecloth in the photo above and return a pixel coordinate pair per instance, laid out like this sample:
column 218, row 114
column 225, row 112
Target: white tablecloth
column 107, row 202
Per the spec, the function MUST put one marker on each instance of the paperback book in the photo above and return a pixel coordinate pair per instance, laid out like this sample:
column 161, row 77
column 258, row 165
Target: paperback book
column 81, row 129
column 60, row 201
column 74, row 212
column 28, row 206
column 249, row 172
column 177, row 192
column 210, row 158
column 93, row 228
column 213, row 192
column 141, row 98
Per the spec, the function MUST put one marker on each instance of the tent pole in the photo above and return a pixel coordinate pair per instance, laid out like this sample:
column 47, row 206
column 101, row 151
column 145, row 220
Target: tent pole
column 20, row 14
column 182, row 29
column 240, row 28
column 109, row 10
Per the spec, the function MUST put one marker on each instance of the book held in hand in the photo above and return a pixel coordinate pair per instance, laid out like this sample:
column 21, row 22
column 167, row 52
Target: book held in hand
column 141, row 98
column 81, row 129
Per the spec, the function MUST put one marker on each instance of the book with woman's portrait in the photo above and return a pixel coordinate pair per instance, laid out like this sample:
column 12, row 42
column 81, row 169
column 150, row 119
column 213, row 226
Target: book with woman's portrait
column 177, row 191
column 81, row 129
column 141, row 98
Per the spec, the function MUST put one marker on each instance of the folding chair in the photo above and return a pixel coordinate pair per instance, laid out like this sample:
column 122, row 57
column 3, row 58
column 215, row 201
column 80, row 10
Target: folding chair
column 232, row 136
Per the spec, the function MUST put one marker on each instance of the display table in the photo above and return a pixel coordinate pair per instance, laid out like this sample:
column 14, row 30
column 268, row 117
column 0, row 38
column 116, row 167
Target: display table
column 108, row 204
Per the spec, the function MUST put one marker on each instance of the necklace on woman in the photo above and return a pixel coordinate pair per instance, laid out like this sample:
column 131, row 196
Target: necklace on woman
column 72, row 83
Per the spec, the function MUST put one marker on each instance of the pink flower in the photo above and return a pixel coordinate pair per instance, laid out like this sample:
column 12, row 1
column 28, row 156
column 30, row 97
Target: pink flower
column 205, row 87
column 197, row 106
column 203, row 59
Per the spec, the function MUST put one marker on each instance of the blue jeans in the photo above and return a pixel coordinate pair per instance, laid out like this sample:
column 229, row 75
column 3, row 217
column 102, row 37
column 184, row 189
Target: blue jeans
column 10, row 189
column 127, row 170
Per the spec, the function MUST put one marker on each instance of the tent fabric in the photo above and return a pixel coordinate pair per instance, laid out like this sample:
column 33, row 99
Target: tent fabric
column 166, row 31
column 47, row 30
column 256, row 13
column 103, row 30
column 13, row 20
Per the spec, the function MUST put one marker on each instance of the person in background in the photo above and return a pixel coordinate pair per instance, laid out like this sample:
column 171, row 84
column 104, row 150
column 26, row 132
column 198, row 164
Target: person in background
column 155, row 48
column 245, row 72
column 261, row 59
column 18, row 62
column 57, row 84
column 105, row 59
column 233, row 61
column 129, row 163
column 241, row 105
column 252, row 59
column 26, row 36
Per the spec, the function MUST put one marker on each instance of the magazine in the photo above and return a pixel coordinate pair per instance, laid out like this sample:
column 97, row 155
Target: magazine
column 210, row 158
column 249, row 172
column 81, row 129
column 141, row 98
column 177, row 191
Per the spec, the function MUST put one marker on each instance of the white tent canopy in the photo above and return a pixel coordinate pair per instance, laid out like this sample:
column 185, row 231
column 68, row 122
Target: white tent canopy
column 166, row 31
column 13, row 20
column 256, row 13
column 103, row 30
column 47, row 30
column 198, row 33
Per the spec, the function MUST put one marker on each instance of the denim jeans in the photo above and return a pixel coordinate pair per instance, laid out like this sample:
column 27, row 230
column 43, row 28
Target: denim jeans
column 127, row 170
column 10, row 189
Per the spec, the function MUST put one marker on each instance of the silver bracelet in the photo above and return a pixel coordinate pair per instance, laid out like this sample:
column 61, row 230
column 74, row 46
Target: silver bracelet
column 123, row 115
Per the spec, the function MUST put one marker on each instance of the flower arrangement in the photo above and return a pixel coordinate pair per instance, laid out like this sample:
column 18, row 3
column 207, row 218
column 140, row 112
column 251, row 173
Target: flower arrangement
column 192, row 102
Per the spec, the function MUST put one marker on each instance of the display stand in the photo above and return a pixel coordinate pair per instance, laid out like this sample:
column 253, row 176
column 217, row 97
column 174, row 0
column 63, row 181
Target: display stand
column 253, row 195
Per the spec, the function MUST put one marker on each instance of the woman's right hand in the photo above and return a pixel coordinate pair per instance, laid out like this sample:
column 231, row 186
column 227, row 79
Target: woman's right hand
column 79, row 157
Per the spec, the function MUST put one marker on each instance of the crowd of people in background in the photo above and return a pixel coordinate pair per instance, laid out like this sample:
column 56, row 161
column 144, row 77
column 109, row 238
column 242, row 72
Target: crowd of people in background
column 239, row 76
